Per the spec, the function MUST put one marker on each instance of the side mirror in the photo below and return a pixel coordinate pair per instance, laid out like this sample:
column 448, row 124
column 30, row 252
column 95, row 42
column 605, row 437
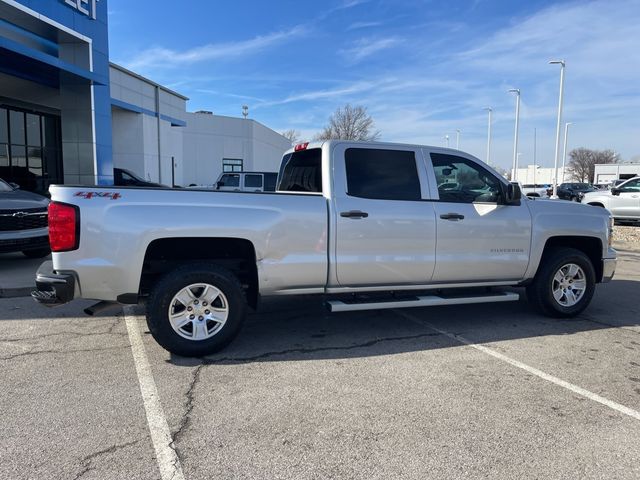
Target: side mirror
column 513, row 194
column 15, row 185
column 219, row 184
column 615, row 191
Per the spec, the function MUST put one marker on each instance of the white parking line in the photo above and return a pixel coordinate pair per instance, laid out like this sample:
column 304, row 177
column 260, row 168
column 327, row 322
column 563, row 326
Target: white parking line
column 168, row 461
column 534, row 371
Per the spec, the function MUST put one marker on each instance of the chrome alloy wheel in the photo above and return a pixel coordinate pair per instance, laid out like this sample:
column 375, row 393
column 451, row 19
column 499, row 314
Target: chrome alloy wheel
column 569, row 284
column 198, row 311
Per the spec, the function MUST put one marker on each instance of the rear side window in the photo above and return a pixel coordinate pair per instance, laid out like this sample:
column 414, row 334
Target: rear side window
column 301, row 171
column 253, row 181
column 270, row 180
column 382, row 174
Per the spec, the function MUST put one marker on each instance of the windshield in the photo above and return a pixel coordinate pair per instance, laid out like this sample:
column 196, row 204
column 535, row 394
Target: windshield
column 5, row 187
column 582, row 186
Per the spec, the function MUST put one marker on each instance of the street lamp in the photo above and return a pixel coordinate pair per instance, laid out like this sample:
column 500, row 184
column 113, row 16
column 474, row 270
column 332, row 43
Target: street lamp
column 489, row 109
column 457, row 139
column 515, row 136
column 555, row 164
column 446, row 139
column 564, row 153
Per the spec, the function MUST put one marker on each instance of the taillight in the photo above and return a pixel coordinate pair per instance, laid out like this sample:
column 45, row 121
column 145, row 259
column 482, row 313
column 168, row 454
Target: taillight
column 64, row 227
column 301, row 146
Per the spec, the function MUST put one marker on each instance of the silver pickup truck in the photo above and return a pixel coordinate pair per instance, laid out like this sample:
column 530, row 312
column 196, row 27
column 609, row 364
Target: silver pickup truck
column 408, row 225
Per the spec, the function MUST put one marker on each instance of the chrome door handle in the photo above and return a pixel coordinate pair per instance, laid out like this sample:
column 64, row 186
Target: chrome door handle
column 452, row 216
column 354, row 214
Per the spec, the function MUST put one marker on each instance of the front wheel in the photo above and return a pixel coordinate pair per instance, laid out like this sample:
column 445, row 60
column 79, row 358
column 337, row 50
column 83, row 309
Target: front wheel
column 564, row 284
column 196, row 309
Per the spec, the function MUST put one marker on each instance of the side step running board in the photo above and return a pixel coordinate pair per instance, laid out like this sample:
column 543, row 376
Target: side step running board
column 420, row 301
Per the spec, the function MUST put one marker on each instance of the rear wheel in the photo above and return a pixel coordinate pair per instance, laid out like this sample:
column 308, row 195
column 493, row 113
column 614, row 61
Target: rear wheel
column 196, row 310
column 564, row 283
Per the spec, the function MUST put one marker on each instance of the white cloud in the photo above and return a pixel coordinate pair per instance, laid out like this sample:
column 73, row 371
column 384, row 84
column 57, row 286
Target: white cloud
column 160, row 57
column 359, row 25
column 365, row 47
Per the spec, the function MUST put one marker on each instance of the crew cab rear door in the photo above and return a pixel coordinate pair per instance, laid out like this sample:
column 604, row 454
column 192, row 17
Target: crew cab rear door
column 479, row 238
column 384, row 228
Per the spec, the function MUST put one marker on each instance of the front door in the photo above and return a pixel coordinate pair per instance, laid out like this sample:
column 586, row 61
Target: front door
column 627, row 202
column 385, row 231
column 479, row 238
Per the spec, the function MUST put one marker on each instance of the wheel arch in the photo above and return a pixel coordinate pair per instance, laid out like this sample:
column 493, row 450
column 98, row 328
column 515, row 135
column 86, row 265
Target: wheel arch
column 237, row 255
column 590, row 246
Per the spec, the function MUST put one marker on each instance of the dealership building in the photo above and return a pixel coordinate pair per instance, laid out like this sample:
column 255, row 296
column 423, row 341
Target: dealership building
column 68, row 115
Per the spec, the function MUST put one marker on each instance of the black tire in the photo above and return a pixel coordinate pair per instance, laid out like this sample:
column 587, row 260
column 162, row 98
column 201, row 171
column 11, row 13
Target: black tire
column 39, row 253
column 163, row 293
column 540, row 291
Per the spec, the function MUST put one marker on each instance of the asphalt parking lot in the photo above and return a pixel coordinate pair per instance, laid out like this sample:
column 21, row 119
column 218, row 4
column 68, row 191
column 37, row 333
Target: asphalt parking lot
column 477, row 391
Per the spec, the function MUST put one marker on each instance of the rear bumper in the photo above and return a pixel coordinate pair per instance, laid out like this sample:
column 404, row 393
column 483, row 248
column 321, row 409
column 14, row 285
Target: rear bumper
column 53, row 288
column 608, row 269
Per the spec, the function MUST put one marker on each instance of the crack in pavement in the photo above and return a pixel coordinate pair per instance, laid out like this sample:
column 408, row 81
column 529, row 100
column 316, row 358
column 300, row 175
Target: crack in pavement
column 38, row 352
column 186, row 416
column 85, row 462
column 370, row 343
column 185, row 422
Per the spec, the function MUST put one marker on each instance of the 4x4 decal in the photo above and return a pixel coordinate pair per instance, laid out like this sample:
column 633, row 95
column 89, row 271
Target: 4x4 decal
column 90, row 195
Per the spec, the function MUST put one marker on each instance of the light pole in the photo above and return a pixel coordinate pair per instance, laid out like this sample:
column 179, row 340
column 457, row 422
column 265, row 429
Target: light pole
column 457, row 139
column 516, row 166
column 535, row 166
column 446, row 139
column 555, row 164
column 245, row 110
column 564, row 153
column 515, row 136
column 489, row 109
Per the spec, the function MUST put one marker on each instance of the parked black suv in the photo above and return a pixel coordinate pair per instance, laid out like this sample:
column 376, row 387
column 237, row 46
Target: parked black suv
column 574, row 191
column 23, row 222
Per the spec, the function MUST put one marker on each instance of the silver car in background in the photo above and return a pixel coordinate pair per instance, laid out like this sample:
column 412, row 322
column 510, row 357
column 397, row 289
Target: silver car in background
column 623, row 201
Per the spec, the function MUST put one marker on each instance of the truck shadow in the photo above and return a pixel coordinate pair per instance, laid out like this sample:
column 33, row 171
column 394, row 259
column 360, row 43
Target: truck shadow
column 300, row 329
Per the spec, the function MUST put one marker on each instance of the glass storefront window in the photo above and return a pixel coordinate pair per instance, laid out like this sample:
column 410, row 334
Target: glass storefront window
column 33, row 130
column 16, row 126
column 3, row 126
column 30, row 149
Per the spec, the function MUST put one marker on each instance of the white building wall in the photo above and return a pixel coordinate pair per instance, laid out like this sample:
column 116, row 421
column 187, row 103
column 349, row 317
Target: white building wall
column 208, row 139
column 533, row 174
column 607, row 173
column 152, row 146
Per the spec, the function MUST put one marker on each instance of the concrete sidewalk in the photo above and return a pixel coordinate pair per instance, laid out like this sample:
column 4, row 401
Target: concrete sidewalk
column 17, row 274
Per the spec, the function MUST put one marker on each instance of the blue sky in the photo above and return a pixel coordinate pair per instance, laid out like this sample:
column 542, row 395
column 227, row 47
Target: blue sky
column 422, row 68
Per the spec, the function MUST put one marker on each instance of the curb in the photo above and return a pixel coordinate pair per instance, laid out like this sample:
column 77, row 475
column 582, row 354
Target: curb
column 16, row 292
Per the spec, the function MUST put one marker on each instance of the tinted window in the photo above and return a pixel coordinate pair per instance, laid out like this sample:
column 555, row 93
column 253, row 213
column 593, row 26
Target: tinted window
column 301, row 171
column 382, row 174
column 632, row 186
column 463, row 181
column 270, row 180
column 253, row 181
column 230, row 181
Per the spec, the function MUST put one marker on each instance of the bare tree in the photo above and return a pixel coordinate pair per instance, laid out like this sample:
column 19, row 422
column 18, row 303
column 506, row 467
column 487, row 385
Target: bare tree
column 349, row 123
column 292, row 134
column 582, row 162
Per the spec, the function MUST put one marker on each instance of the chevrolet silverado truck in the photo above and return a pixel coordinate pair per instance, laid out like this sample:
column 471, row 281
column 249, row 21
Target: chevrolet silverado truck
column 367, row 225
